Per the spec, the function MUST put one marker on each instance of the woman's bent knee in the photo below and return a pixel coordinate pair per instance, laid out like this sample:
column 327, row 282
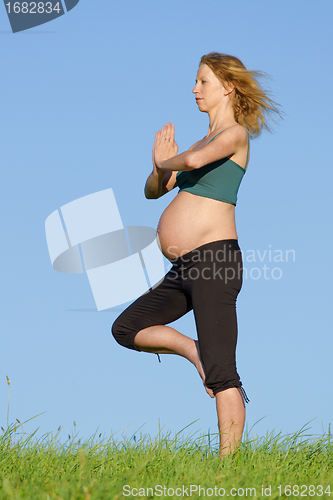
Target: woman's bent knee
column 123, row 334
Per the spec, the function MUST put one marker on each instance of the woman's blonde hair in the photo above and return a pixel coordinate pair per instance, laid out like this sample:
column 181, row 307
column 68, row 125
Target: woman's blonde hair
column 252, row 106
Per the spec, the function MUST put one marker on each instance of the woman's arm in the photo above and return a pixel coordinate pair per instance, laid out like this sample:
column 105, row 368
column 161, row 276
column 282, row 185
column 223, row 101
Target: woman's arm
column 159, row 181
column 168, row 183
column 153, row 185
column 226, row 144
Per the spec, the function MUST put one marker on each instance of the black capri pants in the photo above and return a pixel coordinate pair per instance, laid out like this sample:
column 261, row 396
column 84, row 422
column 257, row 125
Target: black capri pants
column 207, row 280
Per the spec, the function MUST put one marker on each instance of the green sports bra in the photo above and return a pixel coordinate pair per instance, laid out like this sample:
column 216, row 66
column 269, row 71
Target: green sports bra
column 219, row 180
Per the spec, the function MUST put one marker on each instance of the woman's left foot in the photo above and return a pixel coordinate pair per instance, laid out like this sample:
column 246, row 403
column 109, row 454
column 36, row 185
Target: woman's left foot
column 199, row 366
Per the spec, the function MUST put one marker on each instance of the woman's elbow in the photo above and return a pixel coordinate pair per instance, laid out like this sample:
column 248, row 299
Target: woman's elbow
column 149, row 195
column 190, row 161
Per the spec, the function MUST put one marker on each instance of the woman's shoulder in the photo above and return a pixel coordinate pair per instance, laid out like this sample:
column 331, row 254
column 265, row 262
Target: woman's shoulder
column 194, row 145
column 238, row 131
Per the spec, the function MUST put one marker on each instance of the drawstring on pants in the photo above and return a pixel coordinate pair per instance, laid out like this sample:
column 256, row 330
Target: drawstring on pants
column 158, row 357
column 246, row 399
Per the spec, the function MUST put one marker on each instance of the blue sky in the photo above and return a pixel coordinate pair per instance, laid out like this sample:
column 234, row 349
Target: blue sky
column 82, row 98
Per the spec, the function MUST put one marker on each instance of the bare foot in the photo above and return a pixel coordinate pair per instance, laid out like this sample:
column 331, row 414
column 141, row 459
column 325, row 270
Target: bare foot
column 198, row 364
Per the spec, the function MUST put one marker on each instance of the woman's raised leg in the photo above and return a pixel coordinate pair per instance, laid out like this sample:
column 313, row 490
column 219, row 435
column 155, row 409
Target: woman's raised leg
column 161, row 339
column 142, row 325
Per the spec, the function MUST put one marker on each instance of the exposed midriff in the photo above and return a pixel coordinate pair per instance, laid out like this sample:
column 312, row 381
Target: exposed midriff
column 191, row 221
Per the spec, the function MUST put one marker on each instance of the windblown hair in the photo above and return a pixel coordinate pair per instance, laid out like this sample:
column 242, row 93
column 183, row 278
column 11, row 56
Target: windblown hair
column 251, row 103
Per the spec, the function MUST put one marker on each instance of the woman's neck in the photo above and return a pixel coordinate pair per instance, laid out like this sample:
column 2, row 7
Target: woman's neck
column 221, row 119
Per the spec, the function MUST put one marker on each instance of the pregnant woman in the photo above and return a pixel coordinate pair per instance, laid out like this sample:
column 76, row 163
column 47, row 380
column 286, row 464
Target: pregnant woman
column 197, row 233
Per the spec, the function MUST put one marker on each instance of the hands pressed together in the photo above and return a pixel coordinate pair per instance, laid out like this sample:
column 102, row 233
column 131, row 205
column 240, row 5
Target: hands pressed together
column 165, row 146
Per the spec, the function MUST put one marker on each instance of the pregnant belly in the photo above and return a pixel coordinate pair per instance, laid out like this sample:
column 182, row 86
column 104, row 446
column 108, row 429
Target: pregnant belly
column 191, row 221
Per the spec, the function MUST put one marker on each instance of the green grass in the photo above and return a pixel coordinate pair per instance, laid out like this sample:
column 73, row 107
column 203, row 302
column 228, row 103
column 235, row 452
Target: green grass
column 44, row 468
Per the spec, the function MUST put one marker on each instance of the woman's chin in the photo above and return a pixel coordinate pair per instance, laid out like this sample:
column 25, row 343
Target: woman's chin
column 201, row 108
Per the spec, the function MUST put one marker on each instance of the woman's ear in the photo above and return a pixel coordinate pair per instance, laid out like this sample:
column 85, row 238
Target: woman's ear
column 228, row 87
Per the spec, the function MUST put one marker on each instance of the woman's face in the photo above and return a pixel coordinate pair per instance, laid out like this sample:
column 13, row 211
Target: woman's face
column 209, row 91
